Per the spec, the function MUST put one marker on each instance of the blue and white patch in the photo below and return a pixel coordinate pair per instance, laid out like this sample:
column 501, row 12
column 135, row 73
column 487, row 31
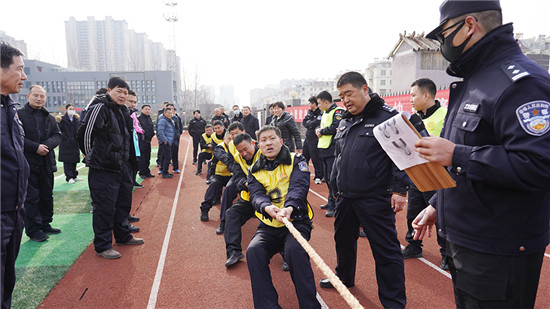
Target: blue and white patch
column 303, row 166
column 534, row 117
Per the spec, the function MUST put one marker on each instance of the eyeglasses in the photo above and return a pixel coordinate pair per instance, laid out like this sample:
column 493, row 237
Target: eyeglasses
column 439, row 36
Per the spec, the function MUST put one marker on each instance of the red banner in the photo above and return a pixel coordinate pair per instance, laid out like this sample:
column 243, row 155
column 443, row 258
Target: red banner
column 399, row 102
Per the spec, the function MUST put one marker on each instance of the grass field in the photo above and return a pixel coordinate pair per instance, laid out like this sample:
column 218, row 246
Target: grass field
column 40, row 266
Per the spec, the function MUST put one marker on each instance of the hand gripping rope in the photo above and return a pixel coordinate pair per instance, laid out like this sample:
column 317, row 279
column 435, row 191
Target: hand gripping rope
column 340, row 287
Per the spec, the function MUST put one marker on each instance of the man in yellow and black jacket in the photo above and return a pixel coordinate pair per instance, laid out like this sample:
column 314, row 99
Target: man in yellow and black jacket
column 208, row 141
column 240, row 212
column 278, row 183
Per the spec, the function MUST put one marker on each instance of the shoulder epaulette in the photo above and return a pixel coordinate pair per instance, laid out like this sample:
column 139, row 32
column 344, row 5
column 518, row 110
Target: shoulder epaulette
column 388, row 108
column 514, row 70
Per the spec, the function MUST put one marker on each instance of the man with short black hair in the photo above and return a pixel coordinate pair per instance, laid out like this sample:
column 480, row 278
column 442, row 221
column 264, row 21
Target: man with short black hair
column 250, row 122
column 105, row 139
column 311, row 122
column 196, row 129
column 495, row 145
column 145, row 148
column 237, row 115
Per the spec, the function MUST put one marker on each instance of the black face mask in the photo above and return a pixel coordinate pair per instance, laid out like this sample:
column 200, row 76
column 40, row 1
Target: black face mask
column 450, row 52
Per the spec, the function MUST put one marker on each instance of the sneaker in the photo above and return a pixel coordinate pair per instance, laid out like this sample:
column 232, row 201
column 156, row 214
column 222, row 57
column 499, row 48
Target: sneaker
column 149, row 175
column 194, row 162
column 159, row 172
column 39, row 237
column 71, row 181
column 317, row 181
column 221, row 228
column 48, row 229
column 137, row 185
column 285, row 266
column 444, row 265
column 167, row 176
column 233, row 258
column 198, row 173
column 204, row 216
column 110, row 254
column 133, row 219
column 208, row 181
column 362, row 233
column 330, row 213
column 133, row 241
column 133, row 229
column 324, row 206
column 412, row 252
column 78, row 179
column 176, row 171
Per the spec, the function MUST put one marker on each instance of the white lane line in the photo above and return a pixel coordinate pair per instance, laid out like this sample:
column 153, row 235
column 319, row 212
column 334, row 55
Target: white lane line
column 160, row 268
column 547, row 255
column 63, row 175
column 322, row 302
column 432, row 265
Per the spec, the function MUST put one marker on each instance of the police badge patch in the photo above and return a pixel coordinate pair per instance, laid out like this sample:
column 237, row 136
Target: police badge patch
column 303, row 166
column 534, row 117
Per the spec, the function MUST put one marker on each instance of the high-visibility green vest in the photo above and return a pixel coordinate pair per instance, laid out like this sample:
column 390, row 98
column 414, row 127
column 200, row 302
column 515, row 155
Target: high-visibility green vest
column 276, row 183
column 244, row 166
column 326, row 120
column 434, row 123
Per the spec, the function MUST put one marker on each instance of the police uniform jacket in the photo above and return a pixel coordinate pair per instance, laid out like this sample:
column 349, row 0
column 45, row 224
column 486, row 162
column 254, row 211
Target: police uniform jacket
column 251, row 125
column 498, row 118
column 15, row 169
column 297, row 190
column 196, row 126
column 311, row 122
column 105, row 135
column 34, row 136
column 361, row 167
column 146, row 124
column 68, row 149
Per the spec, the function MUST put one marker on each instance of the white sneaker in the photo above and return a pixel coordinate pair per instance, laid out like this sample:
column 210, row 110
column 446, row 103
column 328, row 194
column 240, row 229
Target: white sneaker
column 71, row 181
column 317, row 181
column 78, row 179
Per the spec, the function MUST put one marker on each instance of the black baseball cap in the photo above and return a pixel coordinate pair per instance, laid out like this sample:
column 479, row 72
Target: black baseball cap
column 453, row 8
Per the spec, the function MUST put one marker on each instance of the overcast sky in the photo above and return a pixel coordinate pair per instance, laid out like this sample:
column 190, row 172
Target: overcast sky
column 253, row 43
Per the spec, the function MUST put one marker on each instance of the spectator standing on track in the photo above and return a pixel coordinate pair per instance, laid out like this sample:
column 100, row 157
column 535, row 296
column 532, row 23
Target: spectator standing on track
column 196, row 129
column 105, row 139
column 146, row 124
column 226, row 121
column 250, row 122
column 332, row 114
column 237, row 115
column 137, row 132
column 69, row 153
column 15, row 169
column 495, row 145
column 160, row 113
column 269, row 118
column 176, row 145
column 286, row 124
column 363, row 178
column 429, row 109
column 42, row 135
column 278, row 183
column 311, row 122
column 166, row 133
column 240, row 212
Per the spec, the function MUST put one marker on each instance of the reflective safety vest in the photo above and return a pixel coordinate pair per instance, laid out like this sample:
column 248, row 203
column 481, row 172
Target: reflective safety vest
column 244, row 166
column 221, row 168
column 232, row 149
column 326, row 120
column 276, row 184
column 434, row 123
column 209, row 140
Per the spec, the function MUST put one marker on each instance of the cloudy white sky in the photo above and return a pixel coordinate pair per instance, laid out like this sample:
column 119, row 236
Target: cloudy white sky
column 253, row 43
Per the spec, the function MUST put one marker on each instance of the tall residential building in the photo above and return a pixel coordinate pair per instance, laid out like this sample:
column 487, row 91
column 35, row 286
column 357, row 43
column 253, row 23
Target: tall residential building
column 20, row 44
column 379, row 76
column 108, row 45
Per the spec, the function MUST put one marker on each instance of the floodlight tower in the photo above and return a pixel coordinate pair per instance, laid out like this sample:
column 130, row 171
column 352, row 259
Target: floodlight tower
column 171, row 16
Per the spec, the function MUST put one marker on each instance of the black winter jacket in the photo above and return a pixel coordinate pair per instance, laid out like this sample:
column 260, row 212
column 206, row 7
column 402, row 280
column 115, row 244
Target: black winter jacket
column 196, row 126
column 311, row 122
column 251, row 125
column 148, row 128
column 68, row 149
column 52, row 136
column 289, row 130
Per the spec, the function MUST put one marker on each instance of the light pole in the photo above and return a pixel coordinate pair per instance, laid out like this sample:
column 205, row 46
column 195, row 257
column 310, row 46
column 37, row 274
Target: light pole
column 171, row 16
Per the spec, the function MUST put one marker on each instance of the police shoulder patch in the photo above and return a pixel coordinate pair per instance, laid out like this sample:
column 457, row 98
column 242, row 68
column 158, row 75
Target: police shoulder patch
column 303, row 166
column 388, row 108
column 534, row 117
column 514, row 70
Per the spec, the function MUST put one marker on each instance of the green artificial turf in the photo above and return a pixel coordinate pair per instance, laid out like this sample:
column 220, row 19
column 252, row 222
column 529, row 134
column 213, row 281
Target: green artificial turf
column 34, row 283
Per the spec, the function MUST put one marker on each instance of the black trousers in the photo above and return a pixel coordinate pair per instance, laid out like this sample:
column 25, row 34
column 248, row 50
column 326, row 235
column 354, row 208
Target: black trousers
column 203, row 156
column 214, row 191
column 111, row 195
column 235, row 217
column 166, row 156
column 175, row 153
column 377, row 218
column 417, row 202
column 145, row 158
column 69, row 168
column 229, row 195
column 268, row 241
column 12, row 231
column 312, row 152
column 483, row 280
column 196, row 146
column 327, row 167
column 39, row 200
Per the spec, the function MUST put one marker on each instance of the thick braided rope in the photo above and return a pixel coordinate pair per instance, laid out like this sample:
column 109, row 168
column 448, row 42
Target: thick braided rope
column 340, row 287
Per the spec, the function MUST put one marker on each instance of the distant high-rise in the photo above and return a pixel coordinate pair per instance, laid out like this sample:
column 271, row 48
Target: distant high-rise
column 108, row 45
column 20, row 44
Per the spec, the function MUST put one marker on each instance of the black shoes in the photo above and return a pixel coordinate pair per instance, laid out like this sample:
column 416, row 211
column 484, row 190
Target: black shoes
column 133, row 229
column 325, row 206
column 285, row 266
column 50, row 230
column 146, row 176
column 325, row 283
column 330, row 213
column 194, row 162
column 133, row 241
column 133, row 219
column 444, row 264
column 412, row 252
column 208, row 181
column 204, row 216
column 234, row 257
column 362, row 233
column 198, row 173
column 137, row 185
column 220, row 228
column 164, row 176
column 39, row 236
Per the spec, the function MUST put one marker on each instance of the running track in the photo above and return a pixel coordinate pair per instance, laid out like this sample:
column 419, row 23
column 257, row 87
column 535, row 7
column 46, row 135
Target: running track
column 181, row 264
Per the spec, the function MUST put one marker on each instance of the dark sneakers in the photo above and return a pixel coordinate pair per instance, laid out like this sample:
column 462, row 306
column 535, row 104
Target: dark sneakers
column 285, row 266
column 330, row 213
column 234, row 257
column 133, row 219
column 110, row 254
column 39, row 236
column 444, row 265
column 133, row 241
column 325, row 283
column 48, row 229
column 204, row 216
column 221, row 228
column 412, row 252
column 165, row 176
column 325, row 206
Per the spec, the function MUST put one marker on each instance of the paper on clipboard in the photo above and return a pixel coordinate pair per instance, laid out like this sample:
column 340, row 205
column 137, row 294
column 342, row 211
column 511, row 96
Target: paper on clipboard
column 397, row 139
